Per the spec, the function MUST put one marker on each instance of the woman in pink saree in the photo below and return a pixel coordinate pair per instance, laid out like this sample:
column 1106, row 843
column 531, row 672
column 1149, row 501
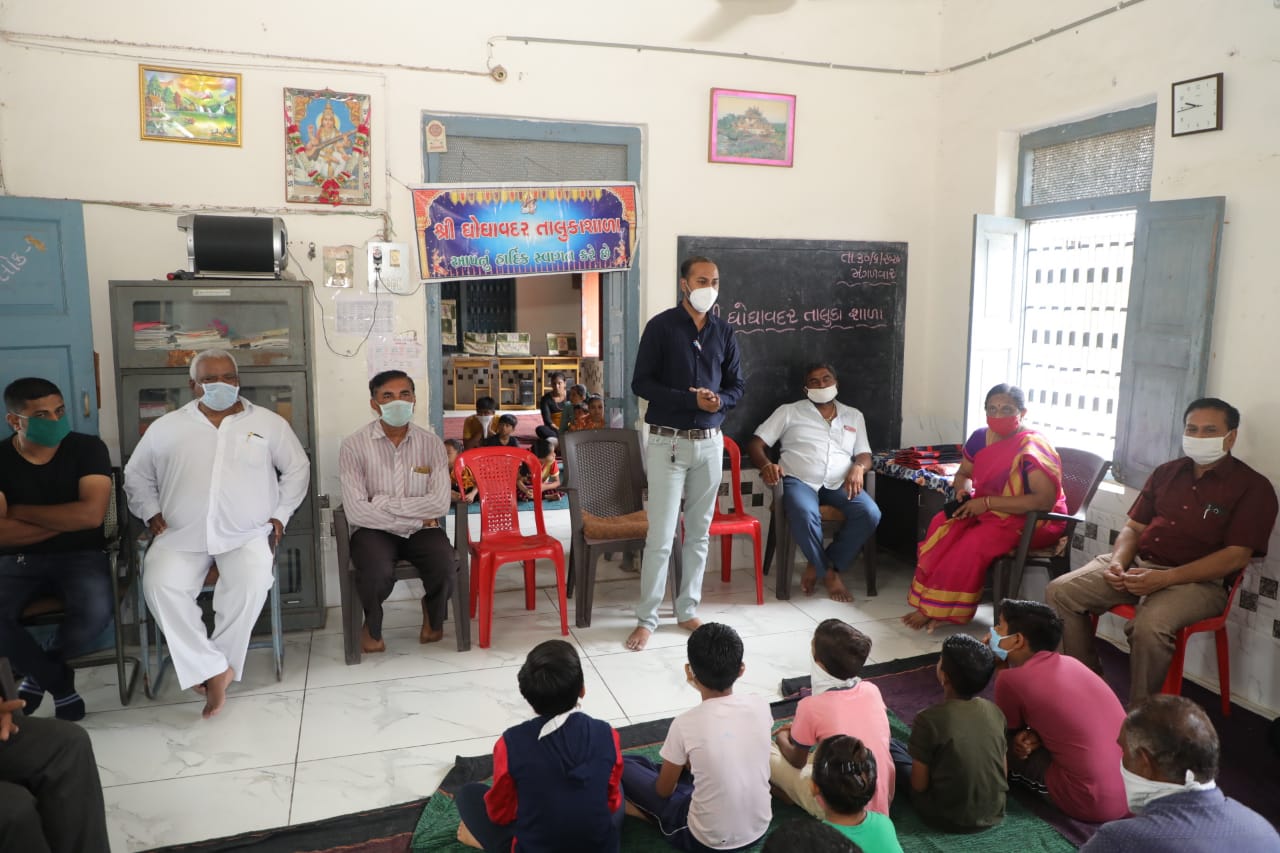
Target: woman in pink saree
column 1013, row 471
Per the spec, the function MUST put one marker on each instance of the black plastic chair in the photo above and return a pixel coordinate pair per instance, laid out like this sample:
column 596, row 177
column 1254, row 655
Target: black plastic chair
column 1082, row 472
column 403, row 570
column 781, row 547
column 606, row 484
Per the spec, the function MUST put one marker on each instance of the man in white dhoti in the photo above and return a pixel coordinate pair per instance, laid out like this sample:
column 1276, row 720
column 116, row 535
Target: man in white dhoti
column 217, row 480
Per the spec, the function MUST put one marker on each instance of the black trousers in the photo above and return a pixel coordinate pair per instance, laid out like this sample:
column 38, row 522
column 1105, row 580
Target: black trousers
column 50, row 795
column 374, row 554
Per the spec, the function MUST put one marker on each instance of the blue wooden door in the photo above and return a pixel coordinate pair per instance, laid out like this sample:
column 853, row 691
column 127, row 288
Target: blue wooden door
column 45, row 328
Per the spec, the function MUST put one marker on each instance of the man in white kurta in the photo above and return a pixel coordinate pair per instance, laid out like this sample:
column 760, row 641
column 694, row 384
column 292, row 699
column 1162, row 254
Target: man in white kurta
column 825, row 456
column 217, row 480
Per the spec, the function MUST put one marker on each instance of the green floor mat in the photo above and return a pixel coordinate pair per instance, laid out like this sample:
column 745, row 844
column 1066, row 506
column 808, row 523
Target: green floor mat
column 1021, row 831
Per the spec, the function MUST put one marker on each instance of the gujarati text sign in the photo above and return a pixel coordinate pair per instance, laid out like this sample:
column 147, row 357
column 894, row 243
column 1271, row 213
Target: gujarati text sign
column 503, row 230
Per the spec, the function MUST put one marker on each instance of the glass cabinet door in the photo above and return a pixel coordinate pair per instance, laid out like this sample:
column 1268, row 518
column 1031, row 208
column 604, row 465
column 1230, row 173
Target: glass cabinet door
column 166, row 325
column 146, row 397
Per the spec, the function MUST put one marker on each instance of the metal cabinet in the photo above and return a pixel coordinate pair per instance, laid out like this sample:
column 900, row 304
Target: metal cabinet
column 160, row 326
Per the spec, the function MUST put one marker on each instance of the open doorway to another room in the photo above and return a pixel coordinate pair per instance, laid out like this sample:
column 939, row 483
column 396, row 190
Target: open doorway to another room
column 546, row 326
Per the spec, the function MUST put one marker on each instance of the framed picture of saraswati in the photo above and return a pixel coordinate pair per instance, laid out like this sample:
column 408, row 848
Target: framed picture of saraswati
column 326, row 147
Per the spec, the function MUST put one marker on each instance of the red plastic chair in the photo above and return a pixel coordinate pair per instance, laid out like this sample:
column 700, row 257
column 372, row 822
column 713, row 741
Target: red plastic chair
column 738, row 521
column 497, row 471
column 1217, row 624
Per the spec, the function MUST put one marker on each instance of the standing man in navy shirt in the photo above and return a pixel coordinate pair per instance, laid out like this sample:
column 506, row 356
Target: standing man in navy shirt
column 688, row 369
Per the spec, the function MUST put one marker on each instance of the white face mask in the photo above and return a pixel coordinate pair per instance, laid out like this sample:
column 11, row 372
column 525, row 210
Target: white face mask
column 822, row 395
column 820, row 681
column 1139, row 790
column 702, row 298
column 1204, row 451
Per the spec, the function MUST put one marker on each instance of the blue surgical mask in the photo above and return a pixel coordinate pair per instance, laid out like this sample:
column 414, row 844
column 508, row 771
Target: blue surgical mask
column 994, row 642
column 397, row 413
column 219, row 396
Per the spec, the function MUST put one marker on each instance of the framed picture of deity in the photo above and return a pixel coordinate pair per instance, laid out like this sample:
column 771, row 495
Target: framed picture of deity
column 326, row 147
column 182, row 105
column 755, row 128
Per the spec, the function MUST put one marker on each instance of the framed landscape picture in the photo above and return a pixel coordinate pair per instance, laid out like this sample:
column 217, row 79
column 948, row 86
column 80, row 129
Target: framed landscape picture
column 756, row 128
column 184, row 105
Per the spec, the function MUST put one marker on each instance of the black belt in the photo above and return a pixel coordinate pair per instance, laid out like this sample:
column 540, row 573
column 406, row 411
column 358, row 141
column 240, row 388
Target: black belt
column 694, row 434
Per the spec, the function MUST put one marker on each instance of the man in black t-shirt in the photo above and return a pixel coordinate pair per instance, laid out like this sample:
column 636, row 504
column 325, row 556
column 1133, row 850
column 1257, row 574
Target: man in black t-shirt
column 54, row 488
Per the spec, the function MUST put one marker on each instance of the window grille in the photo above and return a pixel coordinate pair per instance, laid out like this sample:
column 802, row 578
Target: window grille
column 1077, row 297
column 1109, row 164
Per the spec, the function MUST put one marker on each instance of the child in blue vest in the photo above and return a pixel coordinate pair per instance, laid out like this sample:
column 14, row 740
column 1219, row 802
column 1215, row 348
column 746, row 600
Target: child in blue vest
column 557, row 779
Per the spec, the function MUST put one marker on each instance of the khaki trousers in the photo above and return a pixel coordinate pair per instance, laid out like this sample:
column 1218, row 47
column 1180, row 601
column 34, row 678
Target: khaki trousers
column 1151, row 632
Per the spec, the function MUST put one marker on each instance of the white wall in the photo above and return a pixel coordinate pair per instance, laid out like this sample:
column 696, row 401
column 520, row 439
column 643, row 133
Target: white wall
column 547, row 303
column 878, row 156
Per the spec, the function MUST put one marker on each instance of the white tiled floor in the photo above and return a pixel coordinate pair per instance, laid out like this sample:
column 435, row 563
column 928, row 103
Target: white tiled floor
column 331, row 739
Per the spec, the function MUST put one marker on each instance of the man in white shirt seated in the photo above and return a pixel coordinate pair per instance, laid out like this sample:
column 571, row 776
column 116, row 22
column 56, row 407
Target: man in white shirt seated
column 825, row 456
column 217, row 480
column 395, row 488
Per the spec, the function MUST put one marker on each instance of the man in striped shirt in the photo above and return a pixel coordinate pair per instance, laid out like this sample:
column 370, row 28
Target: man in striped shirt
column 395, row 489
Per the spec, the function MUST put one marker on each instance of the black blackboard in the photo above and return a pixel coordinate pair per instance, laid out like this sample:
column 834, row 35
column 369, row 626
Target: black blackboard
column 794, row 302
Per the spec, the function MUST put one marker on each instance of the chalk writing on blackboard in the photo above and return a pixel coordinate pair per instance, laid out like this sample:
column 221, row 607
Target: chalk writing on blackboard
column 748, row 321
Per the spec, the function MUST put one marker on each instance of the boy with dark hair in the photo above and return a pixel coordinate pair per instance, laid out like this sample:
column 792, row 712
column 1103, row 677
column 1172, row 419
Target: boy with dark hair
column 841, row 704
column 505, row 435
column 712, row 790
column 556, row 778
column 1054, row 747
column 955, row 761
column 844, row 779
column 481, row 425
column 809, row 836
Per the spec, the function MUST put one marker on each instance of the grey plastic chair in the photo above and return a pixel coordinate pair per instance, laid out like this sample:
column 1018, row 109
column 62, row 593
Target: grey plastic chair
column 606, row 483
column 1082, row 472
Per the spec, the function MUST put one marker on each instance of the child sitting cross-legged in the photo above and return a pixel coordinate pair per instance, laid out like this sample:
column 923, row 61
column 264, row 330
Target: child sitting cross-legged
column 955, row 761
column 841, row 704
column 467, row 491
column 844, row 779
column 549, row 475
column 556, row 778
column 712, row 790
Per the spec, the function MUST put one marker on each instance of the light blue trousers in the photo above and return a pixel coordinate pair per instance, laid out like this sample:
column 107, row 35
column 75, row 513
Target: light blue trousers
column 678, row 468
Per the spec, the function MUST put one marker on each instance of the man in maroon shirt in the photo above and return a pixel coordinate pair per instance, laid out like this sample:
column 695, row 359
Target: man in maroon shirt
column 1198, row 520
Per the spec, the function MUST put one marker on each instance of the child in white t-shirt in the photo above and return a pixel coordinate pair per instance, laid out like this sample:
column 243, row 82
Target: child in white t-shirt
column 712, row 790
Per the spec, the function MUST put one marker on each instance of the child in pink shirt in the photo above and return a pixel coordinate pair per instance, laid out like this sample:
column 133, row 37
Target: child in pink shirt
column 841, row 704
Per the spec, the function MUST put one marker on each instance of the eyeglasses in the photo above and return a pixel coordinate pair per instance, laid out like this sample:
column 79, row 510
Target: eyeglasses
column 1003, row 411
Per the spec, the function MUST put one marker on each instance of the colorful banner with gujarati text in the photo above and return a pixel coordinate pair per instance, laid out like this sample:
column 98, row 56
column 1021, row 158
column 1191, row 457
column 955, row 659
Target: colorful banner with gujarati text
column 504, row 230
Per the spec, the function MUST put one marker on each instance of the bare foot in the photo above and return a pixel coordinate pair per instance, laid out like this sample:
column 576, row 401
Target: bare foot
column 430, row 635
column 835, row 587
column 368, row 644
column 809, row 579
column 915, row 620
column 691, row 625
column 465, row 837
column 216, row 696
column 639, row 638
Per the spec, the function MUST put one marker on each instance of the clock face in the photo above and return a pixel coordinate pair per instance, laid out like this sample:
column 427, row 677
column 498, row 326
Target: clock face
column 1197, row 105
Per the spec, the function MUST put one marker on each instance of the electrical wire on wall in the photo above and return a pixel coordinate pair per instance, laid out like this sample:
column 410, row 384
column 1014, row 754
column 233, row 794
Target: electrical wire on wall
column 324, row 328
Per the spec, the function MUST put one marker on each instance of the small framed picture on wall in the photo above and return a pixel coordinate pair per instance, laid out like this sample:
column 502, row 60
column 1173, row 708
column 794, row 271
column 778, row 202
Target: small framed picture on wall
column 754, row 128
column 184, row 105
